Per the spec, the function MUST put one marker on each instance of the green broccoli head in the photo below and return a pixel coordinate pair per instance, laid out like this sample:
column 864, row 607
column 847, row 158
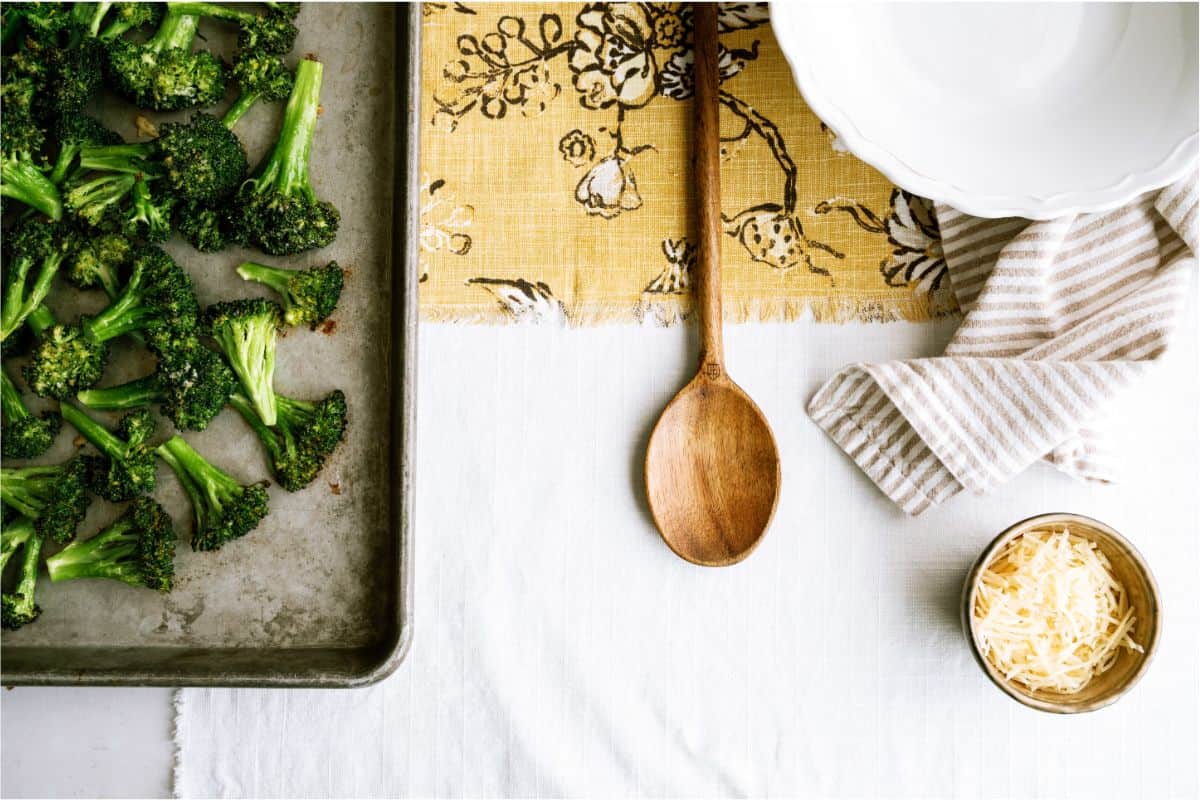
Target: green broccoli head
column 73, row 75
column 19, row 607
column 223, row 509
column 277, row 210
column 309, row 296
column 271, row 32
column 259, row 76
column 55, row 496
column 158, row 293
column 126, row 467
column 202, row 159
column 138, row 549
column 65, row 361
column 25, row 435
column 164, row 74
column 99, row 202
column 195, row 384
column 149, row 217
column 305, row 435
column 245, row 331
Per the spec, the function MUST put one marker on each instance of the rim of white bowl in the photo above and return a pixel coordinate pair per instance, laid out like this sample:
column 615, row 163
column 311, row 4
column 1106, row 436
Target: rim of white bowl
column 1174, row 165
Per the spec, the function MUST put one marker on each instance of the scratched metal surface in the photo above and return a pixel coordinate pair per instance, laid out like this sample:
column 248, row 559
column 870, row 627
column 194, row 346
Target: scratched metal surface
column 318, row 594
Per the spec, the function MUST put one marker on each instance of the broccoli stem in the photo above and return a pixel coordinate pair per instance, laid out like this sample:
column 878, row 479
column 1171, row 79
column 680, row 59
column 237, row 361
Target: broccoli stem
column 99, row 12
column 135, row 394
column 104, row 440
column 16, row 533
column 21, row 180
column 17, row 308
column 239, row 108
column 13, row 406
column 40, row 319
column 214, row 10
column 27, row 586
column 287, row 167
column 276, row 278
column 127, row 158
column 25, row 489
column 245, row 408
column 99, row 556
column 208, row 487
column 177, row 31
column 124, row 315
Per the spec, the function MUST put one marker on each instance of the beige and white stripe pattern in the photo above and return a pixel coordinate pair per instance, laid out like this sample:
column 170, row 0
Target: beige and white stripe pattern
column 1060, row 315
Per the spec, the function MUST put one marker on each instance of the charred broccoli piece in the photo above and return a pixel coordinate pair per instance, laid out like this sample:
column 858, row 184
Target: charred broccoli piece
column 277, row 209
column 126, row 468
column 158, row 294
column 245, row 331
column 138, row 549
column 223, row 509
column 55, row 496
column 200, row 160
column 309, row 296
column 14, row 533
column 19, row 607
column 259, row 76
column 21, row 140
column 164, row 74
column 25, row 435
column 32, row 243
column 271, row 31
column 303, row 437
column 192, row 384
column 122, row 202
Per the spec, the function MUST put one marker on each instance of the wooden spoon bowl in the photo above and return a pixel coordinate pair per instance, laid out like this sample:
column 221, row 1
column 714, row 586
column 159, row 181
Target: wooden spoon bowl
column 712, row 473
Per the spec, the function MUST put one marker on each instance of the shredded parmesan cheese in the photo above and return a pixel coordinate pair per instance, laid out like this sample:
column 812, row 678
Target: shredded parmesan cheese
column 1050, row 614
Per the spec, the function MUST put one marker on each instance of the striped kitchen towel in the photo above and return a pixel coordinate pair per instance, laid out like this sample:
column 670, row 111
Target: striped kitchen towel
column 1059, row 316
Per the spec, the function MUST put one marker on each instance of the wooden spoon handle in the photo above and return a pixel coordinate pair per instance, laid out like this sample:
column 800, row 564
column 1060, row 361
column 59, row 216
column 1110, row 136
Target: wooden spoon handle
column 707, row 145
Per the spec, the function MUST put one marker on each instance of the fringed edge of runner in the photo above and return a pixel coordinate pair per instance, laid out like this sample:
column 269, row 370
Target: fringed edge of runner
column 668, row 311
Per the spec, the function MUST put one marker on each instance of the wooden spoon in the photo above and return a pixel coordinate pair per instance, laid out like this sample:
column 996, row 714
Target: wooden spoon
column 712, row 468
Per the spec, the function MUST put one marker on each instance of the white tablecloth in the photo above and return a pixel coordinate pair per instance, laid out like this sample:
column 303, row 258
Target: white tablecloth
column 561, row 649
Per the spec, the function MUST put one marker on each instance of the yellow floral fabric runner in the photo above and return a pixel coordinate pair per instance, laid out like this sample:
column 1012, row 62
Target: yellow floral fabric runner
column 555, row 149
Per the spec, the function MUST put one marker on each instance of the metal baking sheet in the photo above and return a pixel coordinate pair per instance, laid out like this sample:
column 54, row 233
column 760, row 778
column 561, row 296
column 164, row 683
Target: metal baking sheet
column 320, row 594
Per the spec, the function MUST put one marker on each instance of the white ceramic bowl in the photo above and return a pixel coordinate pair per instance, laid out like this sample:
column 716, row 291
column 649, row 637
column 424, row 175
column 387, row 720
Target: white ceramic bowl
column 1018, row 109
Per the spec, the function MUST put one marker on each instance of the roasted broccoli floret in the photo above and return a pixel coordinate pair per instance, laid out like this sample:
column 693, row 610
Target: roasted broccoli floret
column 271, row 31
column 309, row 296
column 164, row 74
column 224, row 509
column 200, row 160
column 73, row 75
column 245, row 330
column 277, row 209
column 14, row 533
column 97, row 261
column 37, row 323
column 303, row 437
column 126, row 468
column 74, row 133
column 19, row 607
column 41, row 22
column 259, row 76
column 25, row 435
column 138, row 549
column 70, row 358
column 55, row 496
column 21, row 140
column 150, row 216
column 32, row 244
column 192, row 384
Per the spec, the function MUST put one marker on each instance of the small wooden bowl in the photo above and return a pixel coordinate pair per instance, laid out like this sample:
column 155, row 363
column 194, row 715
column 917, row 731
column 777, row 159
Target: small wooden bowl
column 1130, row 569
